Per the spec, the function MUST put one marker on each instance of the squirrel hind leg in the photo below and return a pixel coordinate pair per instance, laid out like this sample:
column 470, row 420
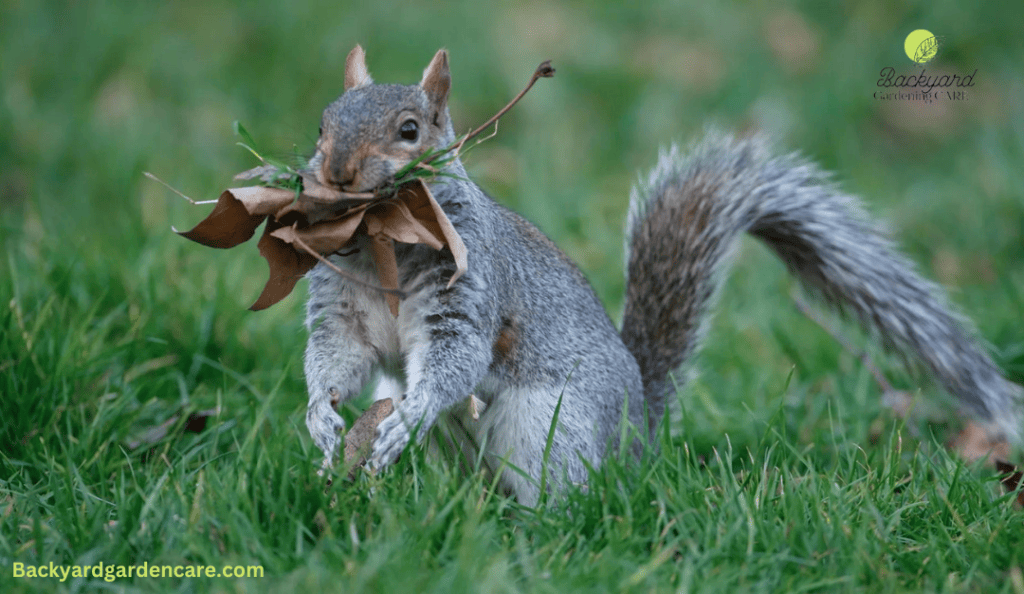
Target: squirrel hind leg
column 513, row 430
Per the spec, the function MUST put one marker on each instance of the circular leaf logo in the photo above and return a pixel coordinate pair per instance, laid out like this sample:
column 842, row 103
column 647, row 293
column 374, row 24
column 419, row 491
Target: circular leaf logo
column 921, row 46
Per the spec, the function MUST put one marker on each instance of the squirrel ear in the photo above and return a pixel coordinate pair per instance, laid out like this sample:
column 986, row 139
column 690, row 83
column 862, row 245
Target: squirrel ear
column 437, row 81
column 356, row 74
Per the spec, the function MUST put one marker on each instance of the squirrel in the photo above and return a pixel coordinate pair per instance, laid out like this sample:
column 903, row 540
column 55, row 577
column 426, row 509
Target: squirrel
column 525, row 333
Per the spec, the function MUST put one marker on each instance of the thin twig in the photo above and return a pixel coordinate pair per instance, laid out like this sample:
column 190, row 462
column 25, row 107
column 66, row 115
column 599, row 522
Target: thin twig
column 432, row 162
column 173, row 189
column 880, row 379
column 543, row 71
column 900, row 402
column 459, row 152
column 332, row 266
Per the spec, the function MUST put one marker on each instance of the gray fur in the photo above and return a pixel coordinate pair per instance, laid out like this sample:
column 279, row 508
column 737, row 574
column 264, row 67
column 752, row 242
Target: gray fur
column 519, row 291
column 684, row 223
column 522, row 329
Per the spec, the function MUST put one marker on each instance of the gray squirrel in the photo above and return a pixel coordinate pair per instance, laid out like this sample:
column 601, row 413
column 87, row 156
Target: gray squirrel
column 523, row 330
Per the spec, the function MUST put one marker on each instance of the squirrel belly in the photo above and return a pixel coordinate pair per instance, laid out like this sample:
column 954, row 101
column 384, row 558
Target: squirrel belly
column 523, row 330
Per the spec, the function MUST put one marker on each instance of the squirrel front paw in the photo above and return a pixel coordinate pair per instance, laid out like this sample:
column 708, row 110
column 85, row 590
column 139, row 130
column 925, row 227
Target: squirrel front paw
column 324, row 424
column 392, row 437
column 395, row 432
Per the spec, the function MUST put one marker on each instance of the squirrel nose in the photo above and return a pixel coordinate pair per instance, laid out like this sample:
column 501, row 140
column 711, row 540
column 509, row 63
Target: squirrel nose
column 335, row 174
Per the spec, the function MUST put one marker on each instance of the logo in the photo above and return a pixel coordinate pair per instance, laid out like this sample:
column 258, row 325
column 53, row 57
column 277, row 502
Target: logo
column 921, row 46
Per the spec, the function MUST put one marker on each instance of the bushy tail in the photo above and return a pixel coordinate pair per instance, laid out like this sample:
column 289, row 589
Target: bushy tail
column 685, row 222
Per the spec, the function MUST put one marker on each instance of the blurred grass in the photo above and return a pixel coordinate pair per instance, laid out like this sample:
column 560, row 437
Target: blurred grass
column 97, row 293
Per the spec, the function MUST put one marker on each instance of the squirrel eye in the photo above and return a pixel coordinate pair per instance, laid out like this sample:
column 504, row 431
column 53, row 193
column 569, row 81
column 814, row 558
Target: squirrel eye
column 409, row 131
column 321, row 131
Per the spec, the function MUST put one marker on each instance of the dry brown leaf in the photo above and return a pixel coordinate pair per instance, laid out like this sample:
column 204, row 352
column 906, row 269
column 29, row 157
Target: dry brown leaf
column 451, row 237
column 382, row 251
column 195, row 423
column 321, row 203
column 324, row 238
column 287, row 266
column 323, row 221
column 232, row 221
column 475, row 406
column 359, row 437
column 975, row 443
column 395, row 220
column 1011, row 479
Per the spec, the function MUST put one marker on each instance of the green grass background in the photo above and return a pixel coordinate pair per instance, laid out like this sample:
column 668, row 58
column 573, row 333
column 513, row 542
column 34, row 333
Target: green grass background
column 784, row 471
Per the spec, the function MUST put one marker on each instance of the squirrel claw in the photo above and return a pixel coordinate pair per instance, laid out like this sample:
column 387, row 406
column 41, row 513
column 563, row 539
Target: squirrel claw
column 324, row 425
column 392, row 437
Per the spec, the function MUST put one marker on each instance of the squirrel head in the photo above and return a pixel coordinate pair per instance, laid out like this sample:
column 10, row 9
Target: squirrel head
column 373, row 130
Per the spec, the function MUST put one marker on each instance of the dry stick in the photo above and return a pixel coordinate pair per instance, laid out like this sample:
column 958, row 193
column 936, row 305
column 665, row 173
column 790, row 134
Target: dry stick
column 486, row 138
column 332, row 266
column 805, row 309
column 543, row 71
column 896, row 400
column 173, row 189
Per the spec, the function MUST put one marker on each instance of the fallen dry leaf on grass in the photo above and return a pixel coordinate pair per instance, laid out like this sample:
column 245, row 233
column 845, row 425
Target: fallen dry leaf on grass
column 302, row 228
column 195, row 423
column 974, row 442
column 1011, row 479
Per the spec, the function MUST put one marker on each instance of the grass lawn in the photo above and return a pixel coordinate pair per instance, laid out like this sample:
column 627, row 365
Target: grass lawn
column 781, row 469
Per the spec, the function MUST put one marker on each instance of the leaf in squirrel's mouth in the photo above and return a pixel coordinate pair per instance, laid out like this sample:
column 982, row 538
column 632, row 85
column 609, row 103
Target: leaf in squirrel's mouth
column 306, row 221
column 306, row 226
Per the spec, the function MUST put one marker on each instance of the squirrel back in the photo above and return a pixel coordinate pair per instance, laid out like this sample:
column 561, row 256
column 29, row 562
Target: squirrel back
column 523, row 330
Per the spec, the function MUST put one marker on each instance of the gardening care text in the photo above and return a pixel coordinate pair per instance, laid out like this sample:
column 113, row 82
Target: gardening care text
column 922, row 87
